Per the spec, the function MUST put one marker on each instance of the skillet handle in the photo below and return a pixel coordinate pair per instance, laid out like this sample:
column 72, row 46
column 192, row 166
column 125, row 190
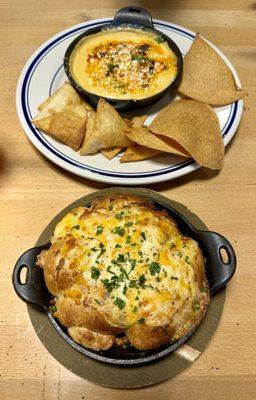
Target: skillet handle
column 133, row 15
column 33, row 291
column 220, row 272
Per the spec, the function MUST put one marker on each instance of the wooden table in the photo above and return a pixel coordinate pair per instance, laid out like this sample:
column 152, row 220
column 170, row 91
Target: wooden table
column 33, row 190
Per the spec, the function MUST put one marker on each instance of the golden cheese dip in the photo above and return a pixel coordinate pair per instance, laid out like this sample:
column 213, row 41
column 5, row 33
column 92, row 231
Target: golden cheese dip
column 123, row 64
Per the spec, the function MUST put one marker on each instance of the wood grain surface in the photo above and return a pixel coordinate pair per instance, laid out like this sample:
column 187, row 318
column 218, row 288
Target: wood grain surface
column 33, row 190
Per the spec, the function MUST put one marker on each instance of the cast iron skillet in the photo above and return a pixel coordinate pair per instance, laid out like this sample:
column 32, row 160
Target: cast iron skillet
column 128, row 16
column 35, row 293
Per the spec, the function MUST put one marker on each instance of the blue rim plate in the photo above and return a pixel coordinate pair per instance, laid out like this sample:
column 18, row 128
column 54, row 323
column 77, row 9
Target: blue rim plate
column 44, row 73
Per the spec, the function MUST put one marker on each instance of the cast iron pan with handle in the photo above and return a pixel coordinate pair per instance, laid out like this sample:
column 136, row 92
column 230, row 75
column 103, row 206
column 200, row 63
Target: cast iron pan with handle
column 34, row 292
column 136, row 17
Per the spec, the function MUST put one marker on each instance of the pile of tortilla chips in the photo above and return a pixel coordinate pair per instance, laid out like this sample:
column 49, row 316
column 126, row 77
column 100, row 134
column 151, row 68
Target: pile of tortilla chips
column 187, row 127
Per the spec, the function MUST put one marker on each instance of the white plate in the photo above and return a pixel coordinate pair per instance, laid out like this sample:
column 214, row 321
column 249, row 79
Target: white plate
column 44, row 73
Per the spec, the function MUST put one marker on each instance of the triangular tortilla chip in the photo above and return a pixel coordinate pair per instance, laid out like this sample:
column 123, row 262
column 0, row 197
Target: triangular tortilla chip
column 144, row 137
column 195, row 126
column 91, row 118
column 63, row 116
column 206, row 77
column 138, row 153
column 108, row 130
column 111, row 152
column 136, row 122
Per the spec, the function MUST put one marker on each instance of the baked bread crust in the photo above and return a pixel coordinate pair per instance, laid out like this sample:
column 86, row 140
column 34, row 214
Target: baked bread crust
column 91, row 323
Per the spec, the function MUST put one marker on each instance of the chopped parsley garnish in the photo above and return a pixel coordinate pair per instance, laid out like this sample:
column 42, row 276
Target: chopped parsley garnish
column 133, row 244
column 118, row 230
column 127, row 224
column 110, row 284
column 53, row 309
column 99, row 229
column 179, row 253
column 111, row 67
column 196, row 306
column 159, row 39
column 94, row 249
column 119, row 303
column 158, row 279
column 97, row 301
column 118, row 246
column 124, row 289
column 133, row 283
column 204, row 290
column 102, row 251
column 142, row 279
column 141, row 320
column 120, row 258
column 137, row 298
column 187, row 259
column 76, row 227
column 128, row 239
column 143, row 235
column 154, row 268
column 135, row 309
column 138, row 58
column 109, row 270
column 140, row 253
column 95, row 273
column 120, row 215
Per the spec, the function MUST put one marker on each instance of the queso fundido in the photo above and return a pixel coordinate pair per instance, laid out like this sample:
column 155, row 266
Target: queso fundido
column 123, row 64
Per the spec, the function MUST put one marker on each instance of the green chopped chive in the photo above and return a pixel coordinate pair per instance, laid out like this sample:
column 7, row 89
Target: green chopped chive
column 127, row 224
column 187, row 259
column 118, row 246
column 133, row 244
column 204, row 289
column 109, row 270
column 137, row 298
column 133, row 283
column 174, row 278
column 138, row 58
column 158, row 279
column 102, row 251
column 165, row 273
column 76, row 227
column 120, row 258
column 118, row 230
column 179, row 253
column 125, row 289
column 99, row 229
column 95, row 273
column 97, row 301
column 120, row 215
column 140, row 253
column 159, row 39
column 142, row 279
column 119, row 303
column 154, row 268
column 196, row 306
column 110, row 284
column 135, row 309
column 94, row 249
column 53, row 309
column 143, row 235
column 141, row 320
column 128, row 239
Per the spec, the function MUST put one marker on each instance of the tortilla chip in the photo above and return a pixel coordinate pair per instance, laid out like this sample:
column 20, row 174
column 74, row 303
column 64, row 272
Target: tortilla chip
column 138, row 153
column 206, row 77
column 144, row 137
column 63, row 116
column 67, row 127
column 111, row 152
column 136, row 122
column 195, row 126
column 91, row 119
column 108, row 130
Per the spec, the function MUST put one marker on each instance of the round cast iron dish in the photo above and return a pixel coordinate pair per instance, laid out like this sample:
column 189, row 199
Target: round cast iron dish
column 35, row 293
column 136, row 17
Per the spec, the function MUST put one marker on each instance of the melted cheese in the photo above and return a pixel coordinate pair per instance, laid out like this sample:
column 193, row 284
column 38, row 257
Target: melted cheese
column 135, row 265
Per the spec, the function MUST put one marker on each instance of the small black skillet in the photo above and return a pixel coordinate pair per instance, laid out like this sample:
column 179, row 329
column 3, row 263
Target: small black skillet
column 35, row 293
column 133, row 17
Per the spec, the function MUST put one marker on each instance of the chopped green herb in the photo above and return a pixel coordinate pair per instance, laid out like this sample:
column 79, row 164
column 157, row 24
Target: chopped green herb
column 109, row 270
column 174, row 278
column 159, row 39
column 142, row 279
column 127, row 224
column 111, row 67
column 137, row 298
column 132, row 283
column 187, row 259
column 94, row 249
column 102, row 251
column 179, row 253
column 173, row 245
column 53, row 309
column 120, row 215
column 154, row 268
column 99, row 229
column 204, row 289
column 124, row 289
column 135, row 309
column 118, row 246
column 118, row 230
column 128, row 239
column 133, row 244
column 196, row 306
column 165, row 273
column 97, row 301
column 158, row 279
column 110, row 284
column 141, row 320
column 76, row 227
column 138, row 58
column 95, row 273
column 120, row 258
column 143, row 235
column 119, row 303
column 140, row 253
